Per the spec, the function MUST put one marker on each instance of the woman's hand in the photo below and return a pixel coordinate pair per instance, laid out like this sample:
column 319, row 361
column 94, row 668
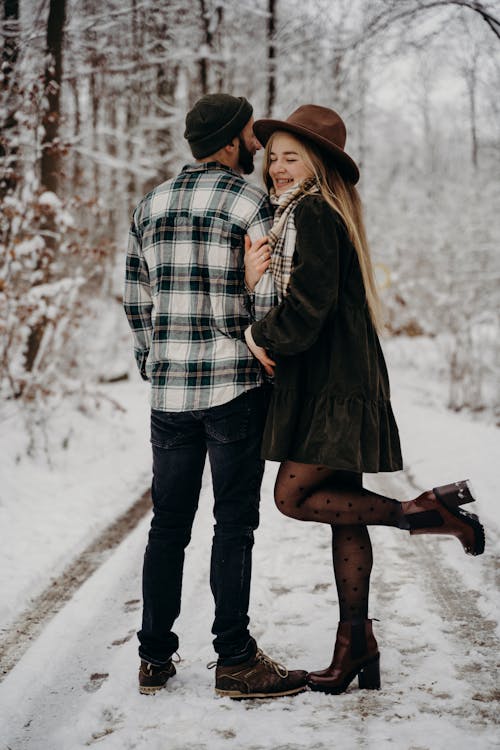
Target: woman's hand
column 259, row 353
column 257, row 259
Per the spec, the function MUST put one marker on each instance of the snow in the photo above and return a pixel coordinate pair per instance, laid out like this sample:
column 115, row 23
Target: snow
column 76, row 685
column 50, row 199
column 98, row 465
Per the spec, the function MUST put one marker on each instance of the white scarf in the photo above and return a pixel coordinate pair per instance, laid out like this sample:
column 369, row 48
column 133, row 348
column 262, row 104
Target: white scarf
column 283, row 233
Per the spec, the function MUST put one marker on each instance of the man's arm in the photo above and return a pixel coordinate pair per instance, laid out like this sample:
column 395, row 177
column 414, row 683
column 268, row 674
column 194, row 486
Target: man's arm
column 137, row 300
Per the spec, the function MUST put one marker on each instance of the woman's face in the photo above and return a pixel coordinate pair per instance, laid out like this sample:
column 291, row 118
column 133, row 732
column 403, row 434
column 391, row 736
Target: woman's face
column 286, row 166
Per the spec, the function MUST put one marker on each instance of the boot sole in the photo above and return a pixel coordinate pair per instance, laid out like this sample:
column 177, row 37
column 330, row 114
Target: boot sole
column 236, row 695
column 151, row 690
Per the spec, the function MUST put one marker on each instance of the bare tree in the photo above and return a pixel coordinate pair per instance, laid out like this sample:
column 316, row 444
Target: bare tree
column 51, row 156
column 9, row 151
column 51, row 147
column 271, row 56
column 395, row 11
column 470, row 59
column 211, row 20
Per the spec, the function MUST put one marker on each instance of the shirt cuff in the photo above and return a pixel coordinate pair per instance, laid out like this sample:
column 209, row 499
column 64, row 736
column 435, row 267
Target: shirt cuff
column 255, row 333
column 141, row 359
column 248, row 337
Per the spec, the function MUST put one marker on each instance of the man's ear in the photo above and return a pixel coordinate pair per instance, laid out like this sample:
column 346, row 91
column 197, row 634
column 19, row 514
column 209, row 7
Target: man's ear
column 231, row 146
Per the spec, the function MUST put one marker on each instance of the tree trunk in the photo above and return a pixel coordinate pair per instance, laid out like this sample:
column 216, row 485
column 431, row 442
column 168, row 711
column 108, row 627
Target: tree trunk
column 210, row 45
column 94, row 107
column 76, row 180
column 203, row 64
column 8, row 150
column 271, row 57
column 51, row 151
column 11, row 40
column 220, row 66
column 473, row 119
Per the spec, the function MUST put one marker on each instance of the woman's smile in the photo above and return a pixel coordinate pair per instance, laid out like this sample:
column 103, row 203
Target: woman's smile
column 286, row 165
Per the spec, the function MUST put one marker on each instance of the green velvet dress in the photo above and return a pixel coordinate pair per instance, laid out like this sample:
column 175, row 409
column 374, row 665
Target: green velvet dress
column 330, row 402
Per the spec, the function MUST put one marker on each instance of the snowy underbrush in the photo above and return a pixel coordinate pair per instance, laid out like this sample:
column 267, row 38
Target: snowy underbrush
column 54, row 285
column 460, row 370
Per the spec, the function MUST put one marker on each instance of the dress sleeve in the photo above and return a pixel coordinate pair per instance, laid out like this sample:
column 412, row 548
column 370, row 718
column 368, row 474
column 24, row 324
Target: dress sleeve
column 294, row 325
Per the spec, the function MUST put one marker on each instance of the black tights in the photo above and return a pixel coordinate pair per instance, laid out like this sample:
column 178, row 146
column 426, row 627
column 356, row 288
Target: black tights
column 317, row 493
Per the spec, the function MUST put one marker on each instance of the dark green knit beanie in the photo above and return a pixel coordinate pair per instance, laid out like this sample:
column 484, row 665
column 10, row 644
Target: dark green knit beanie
column 214, row 121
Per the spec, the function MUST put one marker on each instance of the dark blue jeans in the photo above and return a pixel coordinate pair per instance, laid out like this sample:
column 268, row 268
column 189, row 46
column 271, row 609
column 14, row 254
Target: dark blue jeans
column 231, row 434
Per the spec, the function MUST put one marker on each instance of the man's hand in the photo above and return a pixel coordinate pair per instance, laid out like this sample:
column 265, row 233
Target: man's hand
column 259, row 353
column 257, row 259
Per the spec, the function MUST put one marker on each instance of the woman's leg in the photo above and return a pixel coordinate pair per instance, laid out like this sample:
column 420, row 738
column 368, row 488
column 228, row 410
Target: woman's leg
column 317, row 493
column 356, row 650
column 312, row 493
column 352, row 565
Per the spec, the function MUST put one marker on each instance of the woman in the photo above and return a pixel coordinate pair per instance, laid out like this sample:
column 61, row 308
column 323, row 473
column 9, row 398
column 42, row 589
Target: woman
column 330, row 417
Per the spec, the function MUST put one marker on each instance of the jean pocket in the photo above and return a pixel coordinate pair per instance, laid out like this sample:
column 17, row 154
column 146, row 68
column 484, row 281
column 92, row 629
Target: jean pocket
column 230, row 422
column 166, row 429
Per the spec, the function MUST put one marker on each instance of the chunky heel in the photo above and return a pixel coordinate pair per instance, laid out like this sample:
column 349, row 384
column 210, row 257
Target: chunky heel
column 355, row 654
column 456, row 494
column 439, row 512
column 369, row 677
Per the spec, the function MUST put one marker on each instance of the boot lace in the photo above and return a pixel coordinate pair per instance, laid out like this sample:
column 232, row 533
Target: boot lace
column 269, row 663
column 264, row 659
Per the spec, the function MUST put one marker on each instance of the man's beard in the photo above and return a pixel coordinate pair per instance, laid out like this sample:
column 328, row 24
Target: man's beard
column 245, row 157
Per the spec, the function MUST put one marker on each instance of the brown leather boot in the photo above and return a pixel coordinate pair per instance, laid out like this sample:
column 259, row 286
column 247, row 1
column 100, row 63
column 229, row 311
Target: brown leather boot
column 153, row 678
column 258, row 677
column 439, row 512
column 356, row 653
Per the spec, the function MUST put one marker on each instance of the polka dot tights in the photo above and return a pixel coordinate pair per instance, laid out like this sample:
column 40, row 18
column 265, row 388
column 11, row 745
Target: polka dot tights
column 317, row 493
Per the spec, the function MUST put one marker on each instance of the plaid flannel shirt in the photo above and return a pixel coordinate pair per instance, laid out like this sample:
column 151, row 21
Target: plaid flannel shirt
column 185, row 297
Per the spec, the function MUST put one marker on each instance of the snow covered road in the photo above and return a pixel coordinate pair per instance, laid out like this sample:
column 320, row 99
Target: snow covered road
column 76, row 685
column 438, row 609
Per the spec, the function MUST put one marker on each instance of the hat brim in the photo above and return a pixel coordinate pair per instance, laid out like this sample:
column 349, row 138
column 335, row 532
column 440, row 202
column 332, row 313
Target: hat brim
column 264, row 129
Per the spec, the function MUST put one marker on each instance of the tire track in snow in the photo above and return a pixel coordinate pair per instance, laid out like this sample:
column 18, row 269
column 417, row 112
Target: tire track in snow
column 467, row 635
column 30, row 623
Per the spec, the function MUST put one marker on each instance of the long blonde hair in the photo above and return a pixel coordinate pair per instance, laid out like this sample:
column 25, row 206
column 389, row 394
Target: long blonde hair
column 343, row 197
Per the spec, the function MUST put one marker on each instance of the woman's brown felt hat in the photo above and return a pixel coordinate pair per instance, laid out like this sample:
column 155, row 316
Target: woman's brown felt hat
column 322, row 126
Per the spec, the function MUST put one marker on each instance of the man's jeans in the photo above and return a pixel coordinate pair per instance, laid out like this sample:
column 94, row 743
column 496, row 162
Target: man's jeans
column 232, row 435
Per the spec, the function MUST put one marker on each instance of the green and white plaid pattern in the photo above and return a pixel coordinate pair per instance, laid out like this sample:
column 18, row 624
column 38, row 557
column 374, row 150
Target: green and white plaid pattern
column 185, row 296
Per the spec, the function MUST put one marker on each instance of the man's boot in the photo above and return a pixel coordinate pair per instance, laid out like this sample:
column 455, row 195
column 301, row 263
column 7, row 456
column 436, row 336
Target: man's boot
column 153, row 678
column 258, row 677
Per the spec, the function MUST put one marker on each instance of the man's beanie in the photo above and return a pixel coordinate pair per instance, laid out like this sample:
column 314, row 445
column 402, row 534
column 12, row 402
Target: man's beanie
column 214, row 121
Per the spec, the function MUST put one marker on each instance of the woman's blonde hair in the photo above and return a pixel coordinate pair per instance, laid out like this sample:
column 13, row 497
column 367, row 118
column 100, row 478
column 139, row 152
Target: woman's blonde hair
column 343, row 197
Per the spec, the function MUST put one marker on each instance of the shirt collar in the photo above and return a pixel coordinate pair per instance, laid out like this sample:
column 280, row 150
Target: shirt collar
column 209, row 166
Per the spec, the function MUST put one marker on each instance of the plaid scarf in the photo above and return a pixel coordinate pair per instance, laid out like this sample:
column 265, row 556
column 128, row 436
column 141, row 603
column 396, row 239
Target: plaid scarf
column 283, row 234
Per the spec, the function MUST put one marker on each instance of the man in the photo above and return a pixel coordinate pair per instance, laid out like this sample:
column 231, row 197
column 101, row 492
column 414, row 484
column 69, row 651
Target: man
column 188, row 308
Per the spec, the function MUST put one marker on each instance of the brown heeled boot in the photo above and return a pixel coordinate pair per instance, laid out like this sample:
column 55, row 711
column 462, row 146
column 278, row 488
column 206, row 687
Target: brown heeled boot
column 356, row 653
column 439, row 512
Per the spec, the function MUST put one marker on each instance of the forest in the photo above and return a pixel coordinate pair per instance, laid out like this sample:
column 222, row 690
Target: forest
column 92, row 103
